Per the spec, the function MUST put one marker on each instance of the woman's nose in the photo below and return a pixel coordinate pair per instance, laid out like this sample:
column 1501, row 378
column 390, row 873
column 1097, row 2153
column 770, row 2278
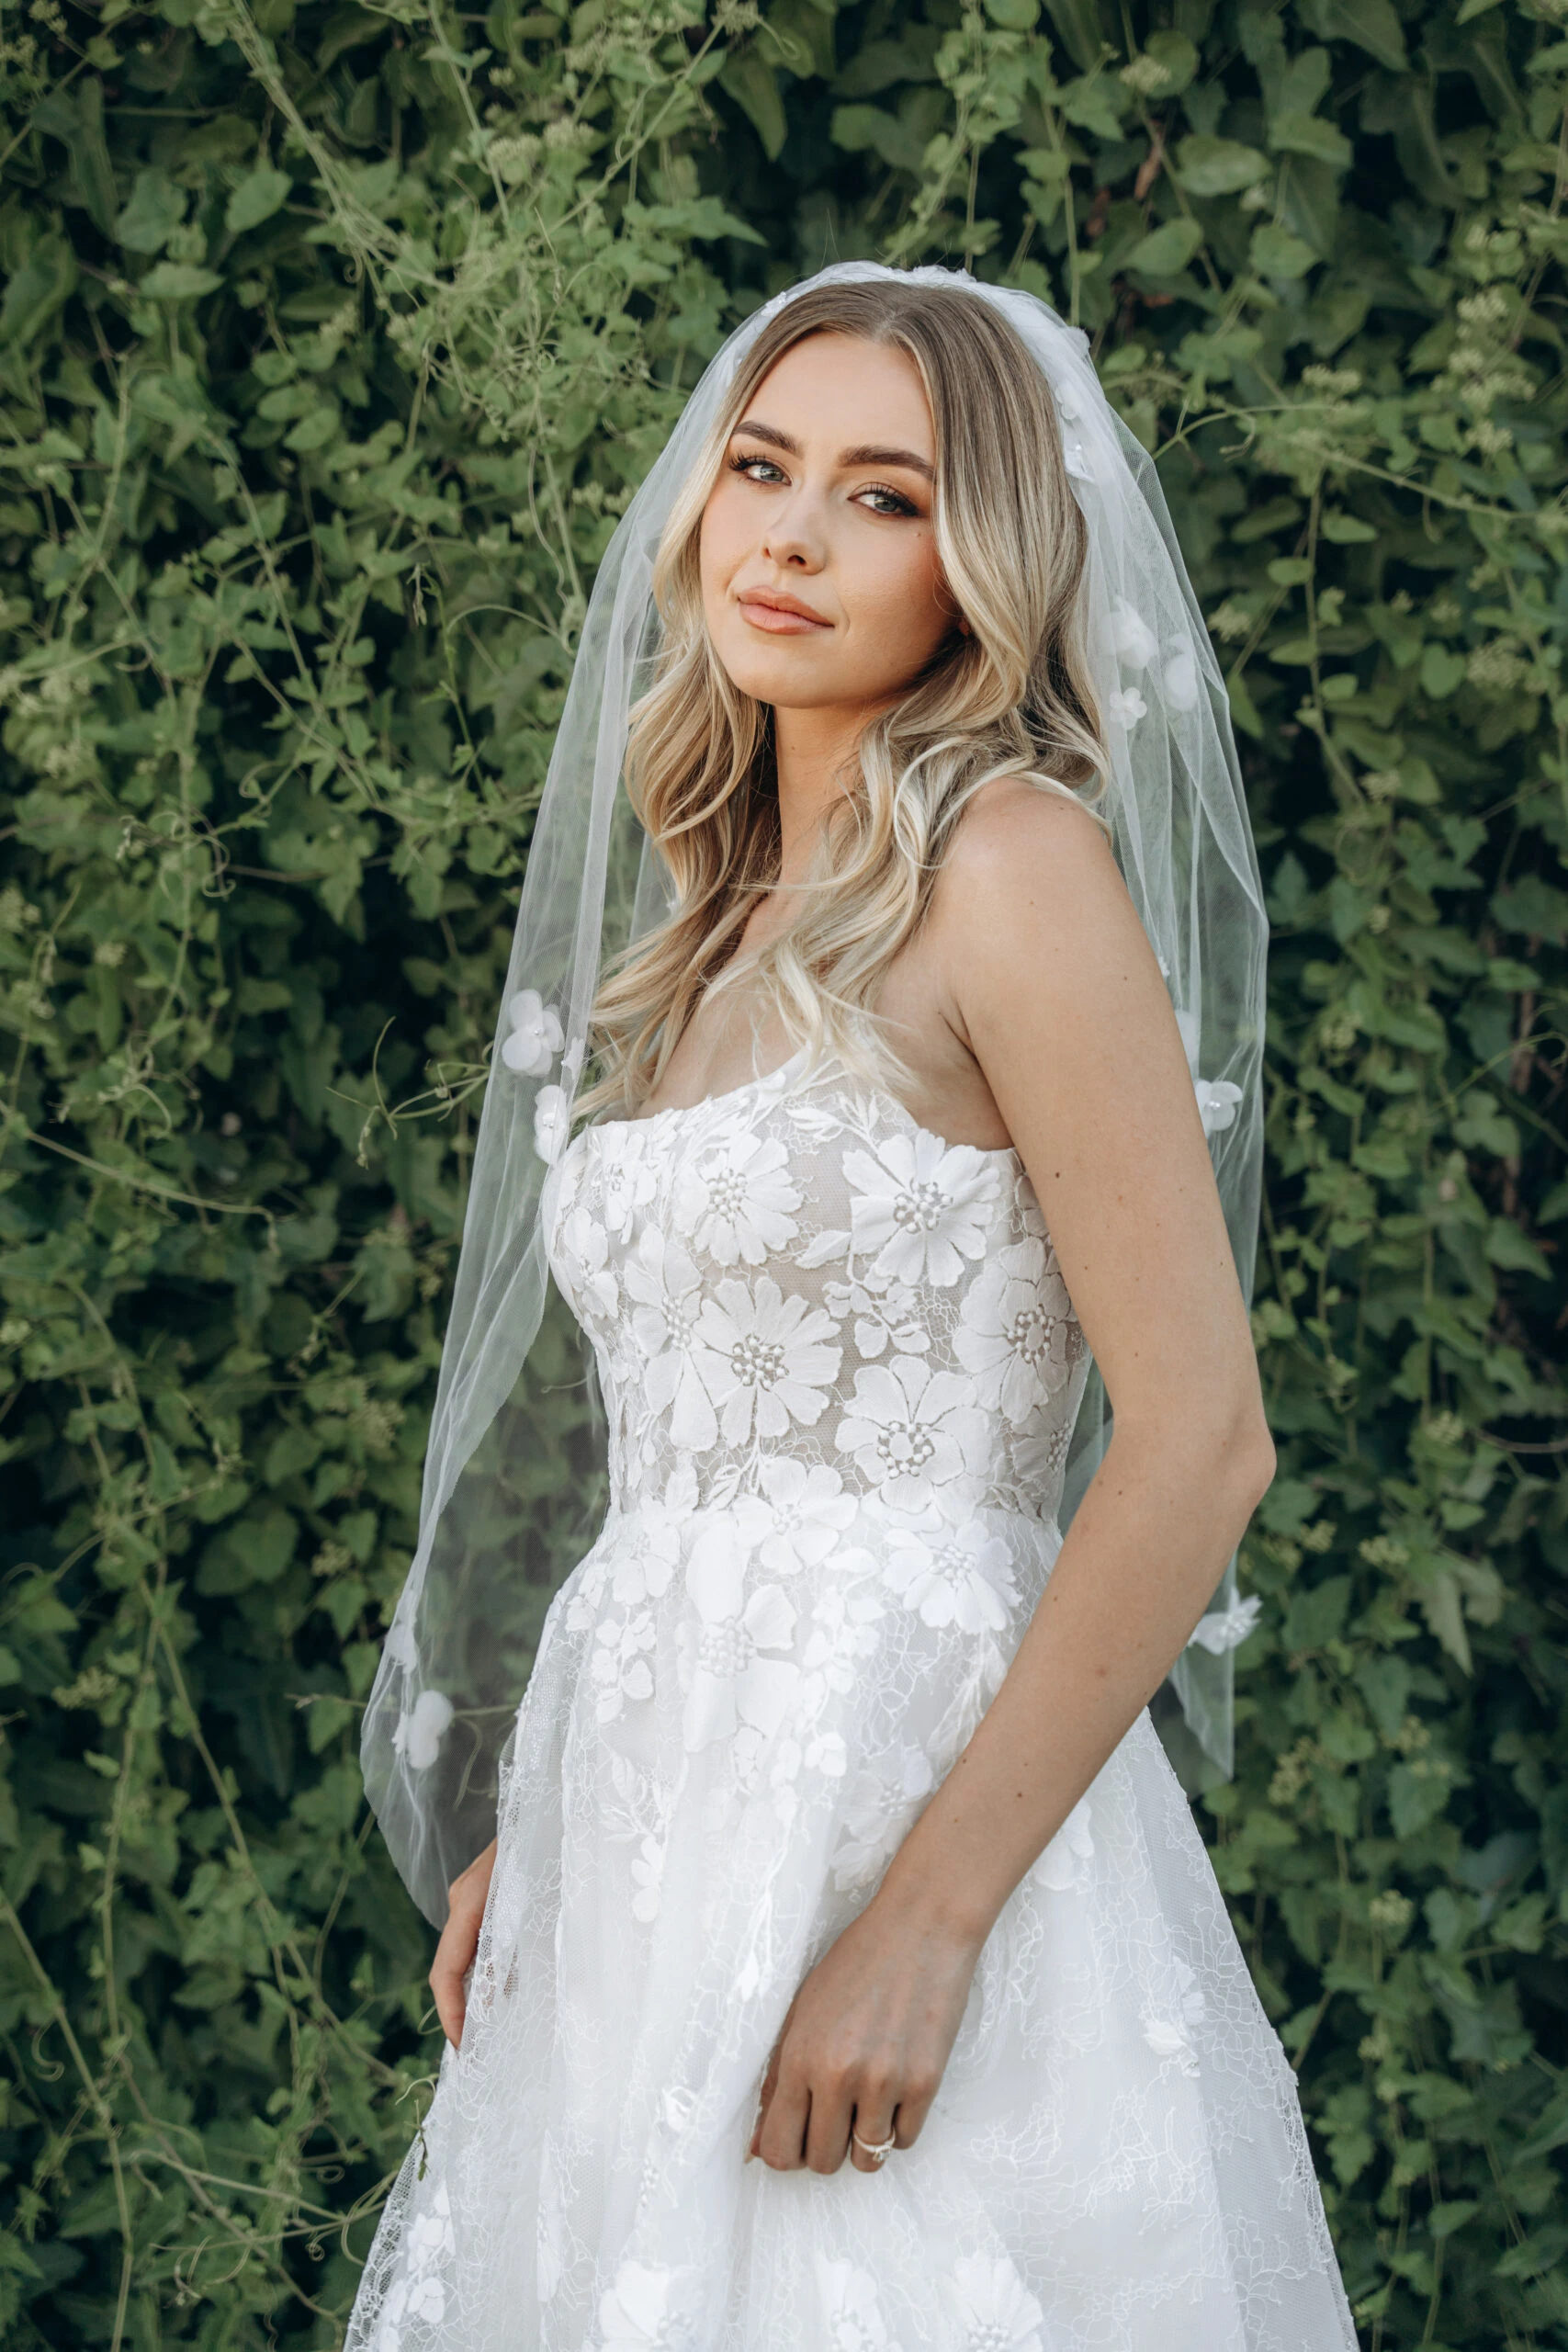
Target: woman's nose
column 793, row 535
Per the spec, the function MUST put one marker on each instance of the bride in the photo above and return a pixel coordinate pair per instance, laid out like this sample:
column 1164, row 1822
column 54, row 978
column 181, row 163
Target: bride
column 843, row 1971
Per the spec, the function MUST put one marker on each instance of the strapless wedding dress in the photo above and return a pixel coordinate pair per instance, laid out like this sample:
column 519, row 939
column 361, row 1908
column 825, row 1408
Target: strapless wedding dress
column 841, row 1369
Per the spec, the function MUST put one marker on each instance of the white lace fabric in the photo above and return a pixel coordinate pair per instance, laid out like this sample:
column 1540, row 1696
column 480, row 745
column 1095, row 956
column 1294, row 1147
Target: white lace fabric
column 841, row 1369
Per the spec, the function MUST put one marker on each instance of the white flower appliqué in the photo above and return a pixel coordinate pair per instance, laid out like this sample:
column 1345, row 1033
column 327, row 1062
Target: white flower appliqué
column 1126, row 706
column 1131, row 638
column 666, row 1291
column 1218, row 1098
column 1218, row 1101
column 1226, row 1629
column 736, row 1203
column 628, row 1178
column 764, row 1358
column 1065, row 1863
column 952, row 1572
column 419, row 2294
column 647, row 1874
column 645, row 1563
column 552, row 1123
column 587, row 1248
column 922, row 1205
column 639, row 2312
column 1017, row 1333
column 877, row 1812
column 419, row 1733
column 909, row 1429
column 535, row 1037
column 734, row 1681
column 886, row 1315
column 798, row 1518
column 991, row 2302
column 851, row 2309
column 1180, row 681
column 1169, row 2034
column 618, row 1666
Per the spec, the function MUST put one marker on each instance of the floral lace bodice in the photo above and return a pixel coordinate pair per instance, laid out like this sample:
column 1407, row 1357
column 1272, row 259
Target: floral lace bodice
column 799, row 1297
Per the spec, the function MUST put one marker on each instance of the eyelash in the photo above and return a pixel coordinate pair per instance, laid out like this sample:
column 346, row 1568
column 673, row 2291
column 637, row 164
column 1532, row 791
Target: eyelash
column 741, row 464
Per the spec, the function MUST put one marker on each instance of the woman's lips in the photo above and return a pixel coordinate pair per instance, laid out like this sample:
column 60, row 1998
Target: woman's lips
column 777, row 620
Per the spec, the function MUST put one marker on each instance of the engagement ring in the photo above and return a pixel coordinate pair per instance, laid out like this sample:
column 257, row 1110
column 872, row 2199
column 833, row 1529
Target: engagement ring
column 879, row 2150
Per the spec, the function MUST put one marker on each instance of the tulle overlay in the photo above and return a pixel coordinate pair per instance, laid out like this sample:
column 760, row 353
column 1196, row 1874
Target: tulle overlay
column 841, row 1369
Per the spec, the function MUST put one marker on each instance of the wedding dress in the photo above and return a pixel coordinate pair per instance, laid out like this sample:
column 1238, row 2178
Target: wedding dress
column 841, row 1369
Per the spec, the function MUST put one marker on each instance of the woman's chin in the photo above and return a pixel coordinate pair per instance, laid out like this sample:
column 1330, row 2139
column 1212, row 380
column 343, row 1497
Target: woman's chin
column 785, row 674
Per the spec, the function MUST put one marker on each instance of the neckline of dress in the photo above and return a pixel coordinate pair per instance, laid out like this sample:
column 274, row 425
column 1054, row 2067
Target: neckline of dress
column 776, row 1077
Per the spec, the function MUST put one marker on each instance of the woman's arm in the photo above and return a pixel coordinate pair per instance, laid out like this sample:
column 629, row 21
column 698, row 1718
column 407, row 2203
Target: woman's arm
column 1051, row 983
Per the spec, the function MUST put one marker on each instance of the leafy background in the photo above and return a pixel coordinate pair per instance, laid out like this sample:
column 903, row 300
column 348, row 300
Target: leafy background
column 333, row 340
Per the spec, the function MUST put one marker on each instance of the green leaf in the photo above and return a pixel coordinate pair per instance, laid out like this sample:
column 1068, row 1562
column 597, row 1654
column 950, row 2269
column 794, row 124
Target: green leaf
column 1210, row 166
column 1014, row 16
column 1167, row 250
column 1315, row 1616
column 1275, row 253
column 41, row 286
column 1508, row 1248
column 259, row 195
column 1345, row 530
column 179, row 281
column 1441, row 671
column 1083, row 31
column 856, row 129
column 254, row 1550
column 155, row 210
column 314, row 430
column 754, row 87
column 1371, row 25
column 1178, row 60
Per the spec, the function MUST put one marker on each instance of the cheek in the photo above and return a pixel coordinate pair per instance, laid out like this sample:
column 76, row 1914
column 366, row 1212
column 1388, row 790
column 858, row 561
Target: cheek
column 714, row 567
column 721, row 541
column 910, row 586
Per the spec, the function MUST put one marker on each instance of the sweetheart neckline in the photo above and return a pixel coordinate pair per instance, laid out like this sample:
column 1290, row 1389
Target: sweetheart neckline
column 772, row 1077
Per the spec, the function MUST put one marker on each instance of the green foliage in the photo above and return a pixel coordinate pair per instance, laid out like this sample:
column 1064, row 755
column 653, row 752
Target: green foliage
column 333, row 340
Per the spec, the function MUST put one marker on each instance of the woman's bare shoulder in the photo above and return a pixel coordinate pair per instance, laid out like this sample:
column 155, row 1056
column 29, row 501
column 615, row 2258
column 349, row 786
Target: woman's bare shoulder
column 1021, row 851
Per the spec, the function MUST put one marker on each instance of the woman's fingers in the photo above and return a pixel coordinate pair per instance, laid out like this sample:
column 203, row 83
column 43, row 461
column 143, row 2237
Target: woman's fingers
column 781, row 2138
column 915, row 2098
column 828, row 2126
column 459, row 1942
column 453, row 1958
column 446, row 1983
column 769, row 2081
column 872, row 2121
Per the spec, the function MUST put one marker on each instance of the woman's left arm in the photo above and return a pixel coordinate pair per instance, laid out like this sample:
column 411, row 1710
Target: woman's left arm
column 1052, row 985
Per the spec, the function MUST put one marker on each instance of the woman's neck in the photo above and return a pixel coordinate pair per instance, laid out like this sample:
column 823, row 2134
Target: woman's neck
column 813, row 750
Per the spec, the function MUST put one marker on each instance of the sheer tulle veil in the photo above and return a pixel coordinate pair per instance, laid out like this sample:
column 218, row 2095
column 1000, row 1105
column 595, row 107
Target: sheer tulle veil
column 451, row 1674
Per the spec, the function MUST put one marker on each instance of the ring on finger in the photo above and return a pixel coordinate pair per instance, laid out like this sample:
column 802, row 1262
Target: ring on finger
column 876, row 2149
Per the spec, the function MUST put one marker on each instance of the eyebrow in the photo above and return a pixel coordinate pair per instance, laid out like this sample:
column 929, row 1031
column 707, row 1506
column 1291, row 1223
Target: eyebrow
column 866, row 453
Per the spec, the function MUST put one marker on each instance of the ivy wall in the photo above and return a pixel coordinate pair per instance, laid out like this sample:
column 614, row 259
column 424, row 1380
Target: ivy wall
column 332, row 341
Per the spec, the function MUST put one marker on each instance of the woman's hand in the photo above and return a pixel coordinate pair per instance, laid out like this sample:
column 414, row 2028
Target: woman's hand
column 865, row 2041
column 459, row 1942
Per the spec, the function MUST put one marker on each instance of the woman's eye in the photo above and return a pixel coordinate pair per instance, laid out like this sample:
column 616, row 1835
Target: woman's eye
column 888, row 501
column 756, row 469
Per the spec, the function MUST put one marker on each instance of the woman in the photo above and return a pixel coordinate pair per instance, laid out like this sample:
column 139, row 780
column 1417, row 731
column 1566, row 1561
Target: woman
column 834, row 1838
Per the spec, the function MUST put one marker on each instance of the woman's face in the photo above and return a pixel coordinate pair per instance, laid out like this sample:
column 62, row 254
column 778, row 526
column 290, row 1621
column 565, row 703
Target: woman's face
column 821, row 585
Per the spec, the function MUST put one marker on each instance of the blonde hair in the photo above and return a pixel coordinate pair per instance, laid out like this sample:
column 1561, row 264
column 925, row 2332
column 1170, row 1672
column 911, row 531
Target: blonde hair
column 1011, row 698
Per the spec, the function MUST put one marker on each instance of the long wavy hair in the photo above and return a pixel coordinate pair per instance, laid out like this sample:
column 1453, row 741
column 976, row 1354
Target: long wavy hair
column 1011, row 698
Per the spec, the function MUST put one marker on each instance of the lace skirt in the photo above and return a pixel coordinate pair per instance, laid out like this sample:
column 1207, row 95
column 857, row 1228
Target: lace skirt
column 708, row 1779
